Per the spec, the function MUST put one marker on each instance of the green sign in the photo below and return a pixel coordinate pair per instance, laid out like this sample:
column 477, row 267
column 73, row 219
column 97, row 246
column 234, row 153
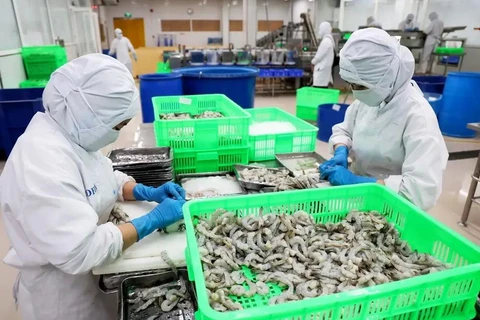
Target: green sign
column 127, row 14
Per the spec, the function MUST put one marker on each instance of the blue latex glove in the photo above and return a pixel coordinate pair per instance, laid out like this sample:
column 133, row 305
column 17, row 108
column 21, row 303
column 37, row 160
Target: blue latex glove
column 340, row 158
column 168, row 190
column 166, row 213
column 339, row 176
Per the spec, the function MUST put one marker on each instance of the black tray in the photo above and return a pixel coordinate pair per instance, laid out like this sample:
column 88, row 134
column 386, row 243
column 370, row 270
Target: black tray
column 161, row 156
column 144, row 281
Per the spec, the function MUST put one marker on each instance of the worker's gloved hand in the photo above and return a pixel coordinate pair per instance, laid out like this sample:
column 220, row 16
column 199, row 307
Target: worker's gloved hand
column 339, row 176
column 166, row 213
column 168, row 190
column 340, row 158
column 134, row 56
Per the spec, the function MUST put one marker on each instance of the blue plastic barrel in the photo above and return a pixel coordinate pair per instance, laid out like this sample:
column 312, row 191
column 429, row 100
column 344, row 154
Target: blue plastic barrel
column 237, row 83
column 460, row 104
column 156, row 85
column 329, row 114
column 435, row 100
column 17, row 107
column 431, row 84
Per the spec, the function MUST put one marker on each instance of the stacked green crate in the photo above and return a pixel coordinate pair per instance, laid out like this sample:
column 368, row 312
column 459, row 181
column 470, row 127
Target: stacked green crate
column 309, row 98
column 203, row 145
column 41, row 61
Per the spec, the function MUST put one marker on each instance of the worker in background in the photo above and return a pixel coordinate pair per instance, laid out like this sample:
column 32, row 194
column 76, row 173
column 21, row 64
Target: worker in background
column 57, row 192
column 371, row 22
column 122, row 47
column 323, row 60
column 407, row 24
column 434, row 34
column 390, row 130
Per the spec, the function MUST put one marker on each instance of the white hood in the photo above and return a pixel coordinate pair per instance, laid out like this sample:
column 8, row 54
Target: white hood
column 89, row 96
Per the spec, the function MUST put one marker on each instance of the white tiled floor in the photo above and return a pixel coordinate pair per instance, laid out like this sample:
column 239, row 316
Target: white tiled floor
column 448, row 209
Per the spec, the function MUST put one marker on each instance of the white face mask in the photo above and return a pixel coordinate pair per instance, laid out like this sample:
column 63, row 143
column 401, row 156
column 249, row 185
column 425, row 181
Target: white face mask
column 119, row 36
column 96, row 138
column 369, row 96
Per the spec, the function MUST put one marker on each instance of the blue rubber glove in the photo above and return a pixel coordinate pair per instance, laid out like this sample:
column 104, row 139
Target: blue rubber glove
column 340, row 158
column 163, row 215
column 339, row 176
column 168, row 190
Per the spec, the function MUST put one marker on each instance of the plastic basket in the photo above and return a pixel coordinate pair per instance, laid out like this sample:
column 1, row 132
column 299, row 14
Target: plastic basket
column 446, row 50
column 280, row 73
column 265, row 73
column 444, row 295
column 295, row 73
column 33, row 84
column 41, row 61
column 163, row 67
column 309, row 98
column 264, row 147
column 209, row 160
column 200, row 134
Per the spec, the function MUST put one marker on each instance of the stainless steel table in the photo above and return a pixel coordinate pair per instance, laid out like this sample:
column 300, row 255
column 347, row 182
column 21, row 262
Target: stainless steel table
column 471, row 198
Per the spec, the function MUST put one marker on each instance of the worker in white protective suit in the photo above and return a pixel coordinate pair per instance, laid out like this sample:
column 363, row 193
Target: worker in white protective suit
column 57, row 191
column 122, row 47
column 390, row 130
column 408, row 23
column 323, row 60
column 371, row 22
column 434, row 34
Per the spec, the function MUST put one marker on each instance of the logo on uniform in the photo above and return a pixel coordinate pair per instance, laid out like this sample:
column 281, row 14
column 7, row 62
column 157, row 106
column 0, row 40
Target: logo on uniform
column 90, row 192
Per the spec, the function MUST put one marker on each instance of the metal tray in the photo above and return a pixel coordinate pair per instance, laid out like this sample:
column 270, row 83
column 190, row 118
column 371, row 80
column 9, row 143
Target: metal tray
column 150, row 280
column 110, row 283
column 252, row 185
column 285, row 160
column 181, row 177
column 161, row 156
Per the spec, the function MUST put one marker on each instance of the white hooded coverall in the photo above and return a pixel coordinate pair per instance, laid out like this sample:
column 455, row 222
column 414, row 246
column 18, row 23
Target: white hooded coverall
column 56, row 196
column 398, row 140
column 323, row 60
column 434, row 34
column 122, row 46
column 408, row 23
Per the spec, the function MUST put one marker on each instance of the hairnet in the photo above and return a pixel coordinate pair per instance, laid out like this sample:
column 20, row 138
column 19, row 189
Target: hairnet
column 410, row 17
column 432, row 16
column 374, row 59
column 90, row 95
column 118, row 31
column 370, row 20
column 324, row 29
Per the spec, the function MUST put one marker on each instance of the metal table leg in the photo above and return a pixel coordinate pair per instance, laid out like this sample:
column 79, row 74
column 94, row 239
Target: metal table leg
column 471, row 194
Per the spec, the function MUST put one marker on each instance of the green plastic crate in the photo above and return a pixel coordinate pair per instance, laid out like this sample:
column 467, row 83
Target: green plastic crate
column 209, row 160
column 446, row 50
column 445, row 295
column 41, row 61
column 200, row 134
column 163, row 67
column 33, row 84
column 309, row 98
column 264, row 147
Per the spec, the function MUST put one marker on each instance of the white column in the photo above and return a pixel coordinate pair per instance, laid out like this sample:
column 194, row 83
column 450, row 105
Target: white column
column 226, row 22
column 250, row 21
column 341, row 14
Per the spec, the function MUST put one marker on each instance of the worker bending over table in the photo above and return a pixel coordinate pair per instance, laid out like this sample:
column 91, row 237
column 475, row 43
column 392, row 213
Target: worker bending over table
column 390, row 130
column 58, row 191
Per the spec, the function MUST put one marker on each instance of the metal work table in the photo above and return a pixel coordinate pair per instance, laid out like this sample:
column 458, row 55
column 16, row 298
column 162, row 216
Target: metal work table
column 460, row 62
column 471, row 198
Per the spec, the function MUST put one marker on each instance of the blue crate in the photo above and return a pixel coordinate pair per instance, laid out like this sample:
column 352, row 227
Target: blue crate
column 280, row 73
column 17, row 107
column 295, row 73
column 265, row 73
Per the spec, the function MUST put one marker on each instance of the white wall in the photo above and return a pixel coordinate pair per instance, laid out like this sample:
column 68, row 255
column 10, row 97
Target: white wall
column 171, row 9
